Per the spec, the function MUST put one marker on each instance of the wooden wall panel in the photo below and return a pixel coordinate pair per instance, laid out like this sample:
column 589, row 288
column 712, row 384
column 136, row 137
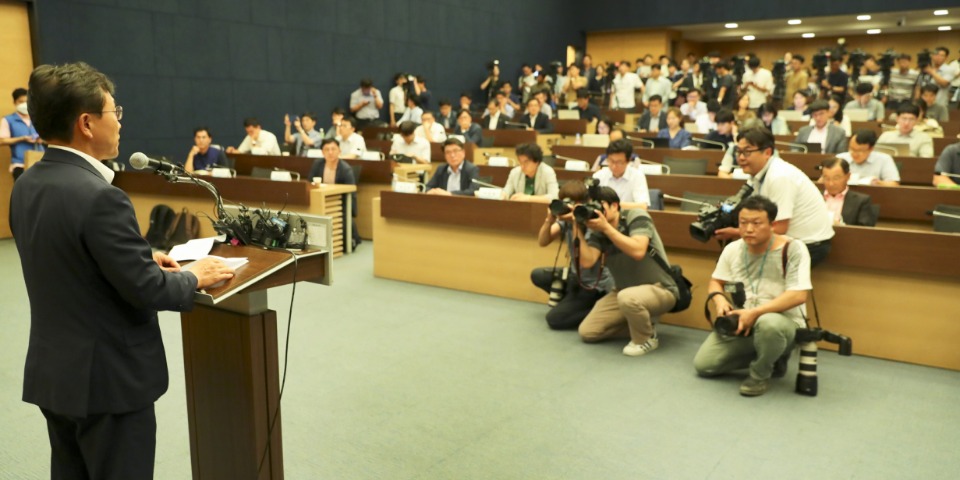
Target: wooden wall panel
column 16, row 63
column 619, row 45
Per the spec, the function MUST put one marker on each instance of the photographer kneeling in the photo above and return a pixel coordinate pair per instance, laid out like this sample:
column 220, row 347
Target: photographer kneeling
column 773, row 271
column 581, row 287
column 621, row 241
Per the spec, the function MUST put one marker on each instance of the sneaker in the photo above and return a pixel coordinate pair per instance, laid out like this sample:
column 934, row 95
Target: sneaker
column 635, row 349
column 751, row 387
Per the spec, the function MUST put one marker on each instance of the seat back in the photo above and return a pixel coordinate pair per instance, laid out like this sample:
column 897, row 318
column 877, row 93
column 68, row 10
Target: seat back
column 946, row 224
column 699, row 197
column 656, row 199
column 686, row 166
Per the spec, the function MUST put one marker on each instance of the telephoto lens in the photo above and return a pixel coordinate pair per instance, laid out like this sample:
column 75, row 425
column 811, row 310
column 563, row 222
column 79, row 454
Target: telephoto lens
column 559, row 207
column 557, row 287
column 584, row 212
column 727, row 324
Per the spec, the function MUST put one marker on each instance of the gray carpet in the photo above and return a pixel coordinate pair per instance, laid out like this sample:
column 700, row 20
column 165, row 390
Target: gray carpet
column 389, row 380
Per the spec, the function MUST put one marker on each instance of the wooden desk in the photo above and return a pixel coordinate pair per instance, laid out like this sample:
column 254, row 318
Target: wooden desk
column 569, row 127
column 939, row 144
column 873, row 281
column 510, row 137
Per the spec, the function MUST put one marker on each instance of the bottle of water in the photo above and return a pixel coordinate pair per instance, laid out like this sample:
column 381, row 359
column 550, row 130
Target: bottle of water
column 578, row 141
column 393, row 183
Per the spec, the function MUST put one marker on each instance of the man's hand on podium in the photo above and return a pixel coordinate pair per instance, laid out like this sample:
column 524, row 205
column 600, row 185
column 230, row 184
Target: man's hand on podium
column 210, row 271
column 166, row 262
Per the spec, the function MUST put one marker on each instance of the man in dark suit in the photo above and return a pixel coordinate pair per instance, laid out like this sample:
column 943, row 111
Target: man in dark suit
column 831, row 138
column 534, row 119
column 654, row 111
column 848, row 207
column 445, row 115
column 333, row 171
column 95, row 362
column 456, row 177
column 493, row 118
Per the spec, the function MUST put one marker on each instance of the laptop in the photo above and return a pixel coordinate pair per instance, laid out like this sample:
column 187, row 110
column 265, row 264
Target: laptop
column 813, row 147
column 568, row 114
column 900, row 149
column 857, row 115
column 791, row 115
column 659, row 142
column 595, row 140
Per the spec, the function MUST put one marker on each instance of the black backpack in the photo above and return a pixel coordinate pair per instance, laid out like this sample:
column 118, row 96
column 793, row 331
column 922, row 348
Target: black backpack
column 675, row 272
column 185, row 227
column 161, row 220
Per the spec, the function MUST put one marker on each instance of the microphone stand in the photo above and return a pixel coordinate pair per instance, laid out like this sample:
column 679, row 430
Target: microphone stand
column 709, row 142
column 687, row 200
column 800, row 146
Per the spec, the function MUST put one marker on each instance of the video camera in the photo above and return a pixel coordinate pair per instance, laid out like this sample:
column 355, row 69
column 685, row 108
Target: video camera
column 715, row 217
column 857, row 57
column 924, row 60
column 493, row 63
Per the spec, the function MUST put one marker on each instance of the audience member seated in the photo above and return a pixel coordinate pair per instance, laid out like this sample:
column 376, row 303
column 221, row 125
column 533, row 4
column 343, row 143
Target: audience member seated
column 928, row 106
column 864, row 101
column 336, row 116
column 657, row 85
column 679, row 137
column 654, row 118
column 258, row 141
column 457, row 175
column 835, row 102
column 445, row 117
column 471, row 131
column 830, row 137
column 430, row 130
column 533, row 180
column 744, row 113
column 203, row 156
column 407, row 143
column 768, row 115
column 693, row 108
column 331, row 171
column 494, row 118
column 801, row 103
column 724, row 132
column 545, row 107
column 845, row 206
column 307, row 136
column 365, row 103
column 604, row 126
column 775, row 297
column 708, row 121
column 414, row 112
column 625, row 86
column 868, row 166
column 588, row 111
column 352, row 145
column 582, row 287
column 534, row 119
column 629, row 183
column 601, row 160
column 644, row 291
column 921, row 145
column 466, row 102
column 802, row 213
column 949, row 162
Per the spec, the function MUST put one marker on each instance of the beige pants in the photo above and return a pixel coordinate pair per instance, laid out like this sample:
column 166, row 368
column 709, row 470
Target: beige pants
column 630, row 310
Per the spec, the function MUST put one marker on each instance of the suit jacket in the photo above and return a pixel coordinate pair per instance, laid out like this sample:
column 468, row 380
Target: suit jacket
column 501, row 122
column 473, row 134
column 450, row 119
column 344, row 176
column 541, row 124
column 836, row 138
column 468, row 172
column 644, row 122
column 94, row 289
column 857, row 210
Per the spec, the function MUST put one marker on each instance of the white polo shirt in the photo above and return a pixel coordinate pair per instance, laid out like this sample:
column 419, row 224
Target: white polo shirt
column 419, row 148
column 625, row 87
column 797, row 199
column 631, row 187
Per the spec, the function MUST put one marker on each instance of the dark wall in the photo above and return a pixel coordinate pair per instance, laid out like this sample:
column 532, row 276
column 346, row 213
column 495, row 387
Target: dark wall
column 617, row 14
column 182, row 63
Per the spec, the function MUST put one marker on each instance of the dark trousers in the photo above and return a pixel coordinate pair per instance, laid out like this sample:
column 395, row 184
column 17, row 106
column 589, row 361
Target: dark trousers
column 17, row 172
column 576, row 304
column 106, row 446
column 818, row 252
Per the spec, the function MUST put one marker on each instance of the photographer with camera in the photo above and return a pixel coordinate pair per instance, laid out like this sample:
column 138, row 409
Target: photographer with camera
column 573, row 292
column 491, row 84
column 937, row 72
column 801, row 212
column 770, row 274
column 624, row 242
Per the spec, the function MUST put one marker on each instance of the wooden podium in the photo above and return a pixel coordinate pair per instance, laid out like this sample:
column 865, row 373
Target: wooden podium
column 231, row 365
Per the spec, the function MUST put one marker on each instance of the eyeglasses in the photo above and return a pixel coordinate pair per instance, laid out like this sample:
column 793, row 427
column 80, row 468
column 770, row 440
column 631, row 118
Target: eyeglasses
column 118, row 111
column 745, row 152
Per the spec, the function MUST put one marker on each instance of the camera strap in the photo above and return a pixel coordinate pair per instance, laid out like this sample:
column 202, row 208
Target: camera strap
column 706, row 305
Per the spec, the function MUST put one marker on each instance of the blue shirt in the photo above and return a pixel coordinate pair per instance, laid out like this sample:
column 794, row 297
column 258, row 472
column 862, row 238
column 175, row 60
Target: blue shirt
column 213, row 157
column 19, row 128
column 681, row 140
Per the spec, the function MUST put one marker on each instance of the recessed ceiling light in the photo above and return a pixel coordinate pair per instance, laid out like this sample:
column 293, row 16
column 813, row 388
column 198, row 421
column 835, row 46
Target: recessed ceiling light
column 873, row 31
column 863, row 17
column 944, row 29
column 731, row 25
column 940, row 12
column 795, row 21
column 749, row 38
column 808, row 35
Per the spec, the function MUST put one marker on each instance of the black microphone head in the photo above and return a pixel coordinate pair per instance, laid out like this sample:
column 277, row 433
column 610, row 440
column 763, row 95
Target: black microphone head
column 139, row 161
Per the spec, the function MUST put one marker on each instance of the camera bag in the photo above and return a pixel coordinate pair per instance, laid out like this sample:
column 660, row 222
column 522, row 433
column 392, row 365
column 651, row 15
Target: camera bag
column 675, row 272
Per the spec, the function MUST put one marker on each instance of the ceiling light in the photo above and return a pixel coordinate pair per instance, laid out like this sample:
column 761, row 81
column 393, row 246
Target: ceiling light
column 939, row 12
column 795, row 21
column 944, row 29
column 731, row 25
column 749, row 38
column 873, row 31
column 863, row 17
column 808, row 35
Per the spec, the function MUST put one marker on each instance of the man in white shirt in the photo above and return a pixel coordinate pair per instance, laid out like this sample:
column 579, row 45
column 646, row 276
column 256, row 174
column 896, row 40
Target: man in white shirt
column 408, row 144
column 657, row 84
column 867, row 166
column 629, row 183
column 398, row 98
column 757, row 82
column 694, row 108
column 921, row 145
column 527, row 80
column 365, row 103
column 351, row 143
column 430, row 130
column 258, row 141
column 625, row 86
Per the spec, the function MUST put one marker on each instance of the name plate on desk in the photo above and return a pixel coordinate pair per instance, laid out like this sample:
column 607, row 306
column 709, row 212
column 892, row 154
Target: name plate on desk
column 498, row 162
column 488, row 193
column 220, row 172
column 406, row 187
column 648, row 169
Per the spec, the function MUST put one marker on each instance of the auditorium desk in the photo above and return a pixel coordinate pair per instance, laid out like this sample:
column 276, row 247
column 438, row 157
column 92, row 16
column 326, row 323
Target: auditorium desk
column 889, row 290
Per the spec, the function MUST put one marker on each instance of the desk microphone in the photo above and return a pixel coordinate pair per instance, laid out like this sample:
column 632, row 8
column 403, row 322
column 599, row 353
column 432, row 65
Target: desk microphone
column 484, row 184
column 140, row 161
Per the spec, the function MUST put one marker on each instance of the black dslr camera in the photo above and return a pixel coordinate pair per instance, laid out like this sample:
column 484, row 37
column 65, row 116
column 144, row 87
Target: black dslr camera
column 715, row 217
column 560, row 207
column 923, row 60
column 728, row 324
column 592, row 209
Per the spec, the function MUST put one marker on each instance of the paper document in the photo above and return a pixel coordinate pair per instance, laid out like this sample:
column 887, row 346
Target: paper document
column 232, row 262
column 192, row 250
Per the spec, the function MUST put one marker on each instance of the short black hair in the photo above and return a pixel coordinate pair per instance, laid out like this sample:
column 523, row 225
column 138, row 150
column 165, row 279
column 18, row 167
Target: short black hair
column 366, row 83
column 531, row 151
column 905, row 56
column 414, row 100
column 725, row 115
column 421, row 79
column 655, row 66
column 573, row 191
column 713, row 105
column 799, row 57
column 758, row 136
column 945, row 50
column 59, row 94
column 768, row 107
column 620, row 146
column 723, row 64
column 695, row 90
column 398, row 76
column 202, row 129
column 866, row 137
column 19, row 92
column 908, row 108
column 834, row 161
column 533, row 99
column 930, row 87
column 466, row 94
column 251, row 122
column 655, row 98
column 338, row 111
column 864, row 88
column 325, row 141
column 444, row 102
column 407, row 128
column 609, row 195
column 467, row 112
column 582, row 93
column 452, row 141
column 818, row 105
column 348, row 119
column 428, row 112
column 754, row 62
column 759, row 203
column 310, row 115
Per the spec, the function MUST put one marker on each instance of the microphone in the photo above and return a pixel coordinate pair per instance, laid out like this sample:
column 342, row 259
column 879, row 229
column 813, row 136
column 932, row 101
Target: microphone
column 803, row 148
column 140, row 161
column 484, row 184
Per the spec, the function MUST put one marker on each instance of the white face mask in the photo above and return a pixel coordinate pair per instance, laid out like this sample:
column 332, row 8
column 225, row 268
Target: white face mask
column 22, row 108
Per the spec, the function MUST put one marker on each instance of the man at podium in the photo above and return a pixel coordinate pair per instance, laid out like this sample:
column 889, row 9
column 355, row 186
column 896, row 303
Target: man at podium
column 95, row 362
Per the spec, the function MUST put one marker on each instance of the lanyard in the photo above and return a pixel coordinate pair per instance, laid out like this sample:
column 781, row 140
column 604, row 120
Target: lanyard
column 754, row 284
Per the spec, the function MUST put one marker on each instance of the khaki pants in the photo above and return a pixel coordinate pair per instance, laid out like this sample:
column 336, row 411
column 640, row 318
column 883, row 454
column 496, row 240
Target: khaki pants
column 773, row 336
column 628, row 311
